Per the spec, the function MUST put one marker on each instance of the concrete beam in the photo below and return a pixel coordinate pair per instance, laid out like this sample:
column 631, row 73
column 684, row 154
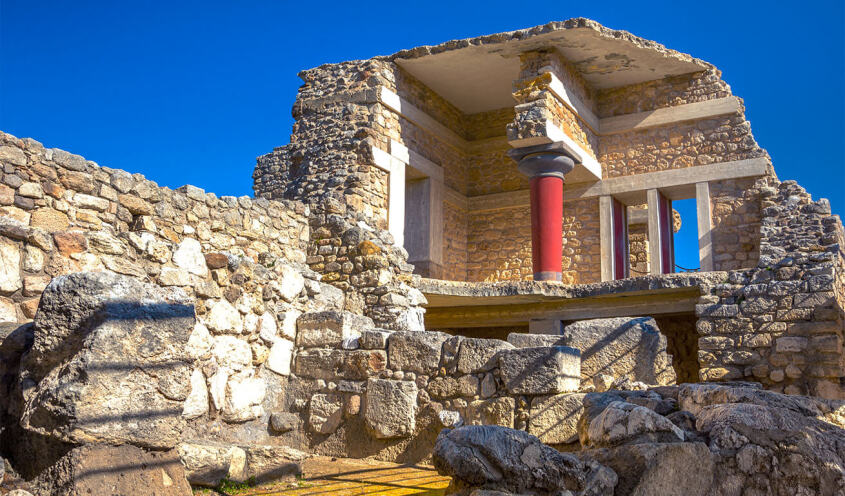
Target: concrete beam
column 587, row 168
column 606, row 237
column 705, row 226
column 675, row 184
column 654, row 253
column 669, row 115
column 574, row 103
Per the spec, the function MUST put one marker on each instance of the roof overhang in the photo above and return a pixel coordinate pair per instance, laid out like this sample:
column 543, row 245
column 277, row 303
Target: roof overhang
column 476, row 74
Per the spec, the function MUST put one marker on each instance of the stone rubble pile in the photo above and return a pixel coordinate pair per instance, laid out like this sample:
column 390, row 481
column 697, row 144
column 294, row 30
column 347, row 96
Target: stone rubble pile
column 693, row 439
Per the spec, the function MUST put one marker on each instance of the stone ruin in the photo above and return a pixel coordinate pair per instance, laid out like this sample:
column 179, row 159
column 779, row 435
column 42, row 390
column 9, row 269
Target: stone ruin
column 464, row 256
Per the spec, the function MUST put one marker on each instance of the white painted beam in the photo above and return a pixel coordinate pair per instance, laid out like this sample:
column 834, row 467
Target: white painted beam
column 705, row 226
column 574, row 103
column 587, row 168
column 654, row 245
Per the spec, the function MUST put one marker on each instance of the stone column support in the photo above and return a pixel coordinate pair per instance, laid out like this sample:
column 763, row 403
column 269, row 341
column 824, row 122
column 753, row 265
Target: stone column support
column 606, row 236
column 705, row 226
column 396, row 201
column 424, row 225
column 654, row 251
column 546, row 166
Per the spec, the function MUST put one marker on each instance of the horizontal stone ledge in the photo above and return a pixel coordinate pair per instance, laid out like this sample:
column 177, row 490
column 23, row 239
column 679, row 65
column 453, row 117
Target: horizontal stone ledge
column 669, row 115
column 676, row 184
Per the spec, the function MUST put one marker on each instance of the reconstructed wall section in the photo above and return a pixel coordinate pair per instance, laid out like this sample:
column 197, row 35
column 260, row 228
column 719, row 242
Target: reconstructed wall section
column 781, row 323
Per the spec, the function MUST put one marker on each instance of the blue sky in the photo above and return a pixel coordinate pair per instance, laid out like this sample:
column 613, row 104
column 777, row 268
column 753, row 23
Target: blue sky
column 192, row 92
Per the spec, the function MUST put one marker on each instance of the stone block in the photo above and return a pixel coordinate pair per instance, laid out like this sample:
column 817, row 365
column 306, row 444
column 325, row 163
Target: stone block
column 280, row 356
column 545, row 326
column 495, row 411
column 207, row 464
column 522, row 340
column 188, row 256
column 224, row 318
column 196, row 405
column 624, row 347
column 412, row 351
column 373, row 339
column 554, row 419
column 390, row 409
column 10, row 267
column 339, row 364
column 478, row 355
column 790, row 344
column 716, row 310
column 325, row 413
column 539, row 371
column 50, row 220
column 329, row 329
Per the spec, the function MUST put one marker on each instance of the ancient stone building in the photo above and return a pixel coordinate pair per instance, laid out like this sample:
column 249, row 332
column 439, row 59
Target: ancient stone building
column 477, row 232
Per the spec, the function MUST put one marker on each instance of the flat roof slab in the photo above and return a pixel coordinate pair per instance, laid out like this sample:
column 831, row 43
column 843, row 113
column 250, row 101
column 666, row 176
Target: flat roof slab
column 475, row 74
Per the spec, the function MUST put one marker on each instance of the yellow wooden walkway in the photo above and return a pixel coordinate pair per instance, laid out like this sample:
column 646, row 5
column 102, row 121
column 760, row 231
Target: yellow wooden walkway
column 324, row 476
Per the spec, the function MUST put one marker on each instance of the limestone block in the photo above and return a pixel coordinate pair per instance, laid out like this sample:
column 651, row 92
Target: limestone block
column 417, row 352
column 200, row 342
column 10, row 267
column 443, row 387
column 49, row 219
column 7, row 310
column 478, row 355
column 224, row 318
column 287, row 323
column 188, row 256
column 103, row 242
column 624, row 347
column 267, row 329
column 390, row 409
column 87, row 201
column 790, row 344
column 554, row 419
column 231, row 353
column 291, row 282
column 280, row 357
column 373, row 339
column 495, row 411
column 410, row 319
column 469, row 386
column 244, row 396
column 325, row 413
column 539, row 371
column 207, row 464
column 625, row 423
column 120, row 345
column 283, row 421
column 12, row 155
column 339, row 364
column 523, row 340
column 196, row 405
column 268, row 463
column 329, row 329
column 30, row 190
column 488, row 385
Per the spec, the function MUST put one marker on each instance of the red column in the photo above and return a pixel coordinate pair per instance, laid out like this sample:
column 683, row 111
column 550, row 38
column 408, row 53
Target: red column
column 546, row 165
column 547, row 227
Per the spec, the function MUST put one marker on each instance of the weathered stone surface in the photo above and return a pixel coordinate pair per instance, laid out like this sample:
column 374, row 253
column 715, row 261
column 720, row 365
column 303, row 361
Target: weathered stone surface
column 120, row 346
column 537, row 371
column 626, row 347
column 554, row 419
column 626, row 423
column 325, row 413
column 280, row 357
column 523, row 340
column 207, row 464
column 283, row 421
column 329, row 329
column 339, row 364
column 223, row 317
column 291, row 282
column 231, row 353
column 10, row 267
column 390, row 409
column 478, row 355
column 671, row 469
column 103, row 469
column 49, row 219
column 501, row 459
column 495, row 411
column 189, row 256
column 417, row 352
column 244, row 396
column 270, row 463
column 374, row 339
column 196, row 404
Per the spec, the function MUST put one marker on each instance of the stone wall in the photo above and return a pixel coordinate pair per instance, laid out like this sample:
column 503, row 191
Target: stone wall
column 781, row 323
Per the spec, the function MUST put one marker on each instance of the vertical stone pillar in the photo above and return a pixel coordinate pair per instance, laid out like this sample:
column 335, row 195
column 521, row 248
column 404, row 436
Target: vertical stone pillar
column 705, row 226
column 660, row 240
column 396, row 201
column 606, row 236
column 424, row 226
column 546, row 166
